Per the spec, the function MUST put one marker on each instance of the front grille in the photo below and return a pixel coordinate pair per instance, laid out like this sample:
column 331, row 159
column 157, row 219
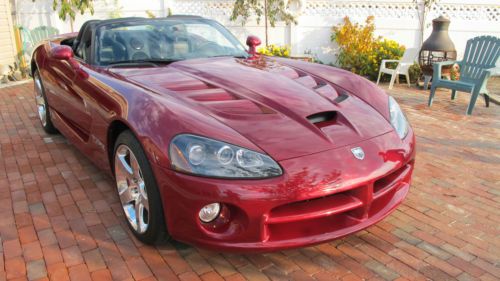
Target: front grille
column 333, row 212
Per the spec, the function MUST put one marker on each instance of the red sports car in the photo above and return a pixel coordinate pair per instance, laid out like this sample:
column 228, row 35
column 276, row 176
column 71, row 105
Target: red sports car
column 217, row 146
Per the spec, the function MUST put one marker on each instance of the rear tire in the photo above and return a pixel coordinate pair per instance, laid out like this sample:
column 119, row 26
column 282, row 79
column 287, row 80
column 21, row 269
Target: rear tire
column 138, row 191
column 42, row 105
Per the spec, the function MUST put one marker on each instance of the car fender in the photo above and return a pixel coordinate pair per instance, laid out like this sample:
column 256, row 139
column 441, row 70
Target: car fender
column 156, row 118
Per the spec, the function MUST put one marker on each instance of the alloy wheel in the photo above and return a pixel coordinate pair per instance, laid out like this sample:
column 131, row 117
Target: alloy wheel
column 40, row 101
column 131, row 188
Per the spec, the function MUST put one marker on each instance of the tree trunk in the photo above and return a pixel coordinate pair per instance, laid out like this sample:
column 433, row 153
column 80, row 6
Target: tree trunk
column 265, row 21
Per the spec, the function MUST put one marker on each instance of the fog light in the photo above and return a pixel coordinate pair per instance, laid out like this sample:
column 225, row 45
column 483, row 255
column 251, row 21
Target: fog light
column 209, row 212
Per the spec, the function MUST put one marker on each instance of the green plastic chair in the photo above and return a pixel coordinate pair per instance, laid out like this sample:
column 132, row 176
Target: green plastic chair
column 31, row 38
column 481, row 61
column 27, row 41
column 41, row 33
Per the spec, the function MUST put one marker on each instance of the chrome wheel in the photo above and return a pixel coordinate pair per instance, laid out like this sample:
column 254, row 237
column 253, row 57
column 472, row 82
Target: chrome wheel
column 131, row 188
column 40, row 101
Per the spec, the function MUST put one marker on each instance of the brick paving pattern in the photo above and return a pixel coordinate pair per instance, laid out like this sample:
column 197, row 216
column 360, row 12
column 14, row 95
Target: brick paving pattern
column 60, row 218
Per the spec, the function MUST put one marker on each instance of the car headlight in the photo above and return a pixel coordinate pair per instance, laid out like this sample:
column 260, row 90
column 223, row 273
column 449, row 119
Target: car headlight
column 207, row 157
column 398, row 119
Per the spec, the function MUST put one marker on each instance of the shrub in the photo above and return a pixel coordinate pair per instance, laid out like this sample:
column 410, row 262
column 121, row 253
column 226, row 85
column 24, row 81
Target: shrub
column 387, row 50
column 415, row 72
column 360, row 51
column 275, row 50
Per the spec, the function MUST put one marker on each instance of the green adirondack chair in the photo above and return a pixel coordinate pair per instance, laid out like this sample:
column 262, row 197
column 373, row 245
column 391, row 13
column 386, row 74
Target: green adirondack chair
column 31, row 38
column 41, row 33
column 480, row 62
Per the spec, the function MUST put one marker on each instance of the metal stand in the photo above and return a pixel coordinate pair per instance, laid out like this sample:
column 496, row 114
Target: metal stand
column 427, row 79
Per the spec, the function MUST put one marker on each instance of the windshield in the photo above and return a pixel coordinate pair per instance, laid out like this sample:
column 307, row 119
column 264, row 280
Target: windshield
column 164, row 41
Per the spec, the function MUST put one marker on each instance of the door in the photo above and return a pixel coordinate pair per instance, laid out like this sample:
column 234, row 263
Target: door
column 70, row 90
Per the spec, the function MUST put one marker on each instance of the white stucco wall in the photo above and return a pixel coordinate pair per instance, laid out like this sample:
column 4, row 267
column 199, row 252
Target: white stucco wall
column 395, row 19
column 7, row 43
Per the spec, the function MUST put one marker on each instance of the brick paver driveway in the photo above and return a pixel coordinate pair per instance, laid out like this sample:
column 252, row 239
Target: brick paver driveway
column 60, row 218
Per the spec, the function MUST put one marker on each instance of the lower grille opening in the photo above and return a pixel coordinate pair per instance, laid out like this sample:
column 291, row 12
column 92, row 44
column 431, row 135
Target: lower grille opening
column 310, row 227
column 314, row 208
column 382, row 184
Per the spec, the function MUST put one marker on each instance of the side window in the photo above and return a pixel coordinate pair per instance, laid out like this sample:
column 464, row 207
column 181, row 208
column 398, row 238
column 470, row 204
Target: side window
column 83, row 49
column 79, row 50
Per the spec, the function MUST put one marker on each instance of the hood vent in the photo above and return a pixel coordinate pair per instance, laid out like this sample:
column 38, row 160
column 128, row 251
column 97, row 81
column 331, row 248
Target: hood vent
column 342, row 97
column 322, row 117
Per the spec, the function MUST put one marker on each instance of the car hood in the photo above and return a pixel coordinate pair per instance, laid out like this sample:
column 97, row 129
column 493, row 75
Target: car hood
column 285, row 111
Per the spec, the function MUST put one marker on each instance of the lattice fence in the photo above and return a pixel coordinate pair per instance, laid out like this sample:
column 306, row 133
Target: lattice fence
column 395, row 19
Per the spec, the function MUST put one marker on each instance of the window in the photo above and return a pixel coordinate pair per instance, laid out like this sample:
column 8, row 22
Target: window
column 164, row 40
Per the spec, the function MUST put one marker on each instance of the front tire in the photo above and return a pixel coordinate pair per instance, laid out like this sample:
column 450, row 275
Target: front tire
column 138, row 191
column 42, row 105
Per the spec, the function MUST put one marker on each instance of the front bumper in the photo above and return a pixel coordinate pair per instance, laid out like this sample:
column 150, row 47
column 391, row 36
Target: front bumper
column 320, row 197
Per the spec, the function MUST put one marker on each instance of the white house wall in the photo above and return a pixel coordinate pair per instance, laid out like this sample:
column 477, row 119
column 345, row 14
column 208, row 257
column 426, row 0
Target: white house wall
column 394, row 19
column 7, row 43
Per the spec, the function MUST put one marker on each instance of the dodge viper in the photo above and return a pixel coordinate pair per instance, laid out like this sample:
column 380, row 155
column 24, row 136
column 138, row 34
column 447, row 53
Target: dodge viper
column 213, row 144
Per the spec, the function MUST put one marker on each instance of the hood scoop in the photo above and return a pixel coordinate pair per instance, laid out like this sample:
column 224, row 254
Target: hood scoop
column 322, row 117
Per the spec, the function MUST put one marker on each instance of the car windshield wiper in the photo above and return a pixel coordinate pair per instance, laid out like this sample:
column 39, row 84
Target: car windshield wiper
column 153, row 62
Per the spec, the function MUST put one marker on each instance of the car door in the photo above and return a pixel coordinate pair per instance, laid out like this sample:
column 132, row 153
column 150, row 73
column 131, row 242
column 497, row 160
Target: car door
column 58, row 76
column 75, row 103
column 72, row 104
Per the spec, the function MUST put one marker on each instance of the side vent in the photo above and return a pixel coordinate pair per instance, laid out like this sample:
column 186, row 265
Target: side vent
column 322, row 118
column 342, row 97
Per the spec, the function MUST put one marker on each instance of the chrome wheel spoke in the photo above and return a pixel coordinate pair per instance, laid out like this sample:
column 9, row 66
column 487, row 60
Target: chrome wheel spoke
column 134, row 165
column 130, row 214
column 143, row 193
column 139, row 221
column 145, row 204
column 124, row 166
column 125, row 194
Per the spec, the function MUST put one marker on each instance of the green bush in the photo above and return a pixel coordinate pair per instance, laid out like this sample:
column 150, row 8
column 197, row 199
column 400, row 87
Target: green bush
column 360, row 51
column 275, row 50
column 415, row 72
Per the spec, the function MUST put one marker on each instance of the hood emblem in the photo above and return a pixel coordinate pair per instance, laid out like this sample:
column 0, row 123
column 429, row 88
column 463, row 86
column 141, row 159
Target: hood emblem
column 358, row 153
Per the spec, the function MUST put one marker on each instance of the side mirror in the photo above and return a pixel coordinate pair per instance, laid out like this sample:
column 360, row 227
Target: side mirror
column 252, row 43
column 61, row 52
column 65, row 53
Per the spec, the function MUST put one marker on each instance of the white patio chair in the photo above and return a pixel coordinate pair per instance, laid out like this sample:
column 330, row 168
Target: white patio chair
column 401, row 69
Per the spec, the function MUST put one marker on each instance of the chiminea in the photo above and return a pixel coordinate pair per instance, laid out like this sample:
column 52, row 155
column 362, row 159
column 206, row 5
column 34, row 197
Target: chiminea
column 438, row 47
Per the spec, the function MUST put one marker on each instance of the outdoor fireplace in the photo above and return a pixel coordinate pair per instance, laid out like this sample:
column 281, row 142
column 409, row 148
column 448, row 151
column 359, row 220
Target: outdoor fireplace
column 438, row 47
